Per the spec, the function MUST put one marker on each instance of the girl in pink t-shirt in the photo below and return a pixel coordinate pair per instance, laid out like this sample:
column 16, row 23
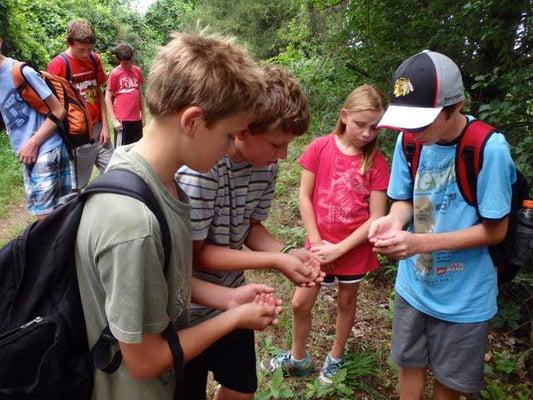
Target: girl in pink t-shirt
column 342, row 190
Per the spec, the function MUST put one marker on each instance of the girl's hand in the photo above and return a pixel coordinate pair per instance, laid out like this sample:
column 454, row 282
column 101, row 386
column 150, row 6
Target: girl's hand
column 327, row 252
column 248, row 293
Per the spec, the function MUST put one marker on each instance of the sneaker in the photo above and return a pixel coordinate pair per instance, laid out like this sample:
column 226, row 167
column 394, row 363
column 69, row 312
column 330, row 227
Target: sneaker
column 329, row 370
column 288, row 365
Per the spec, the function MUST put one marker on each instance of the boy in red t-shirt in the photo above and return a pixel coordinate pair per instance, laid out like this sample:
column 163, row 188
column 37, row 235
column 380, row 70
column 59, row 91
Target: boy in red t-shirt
column 83, row 68
column 123, row 97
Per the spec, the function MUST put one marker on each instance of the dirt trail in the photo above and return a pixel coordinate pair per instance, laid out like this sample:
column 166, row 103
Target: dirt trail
column 16, row 219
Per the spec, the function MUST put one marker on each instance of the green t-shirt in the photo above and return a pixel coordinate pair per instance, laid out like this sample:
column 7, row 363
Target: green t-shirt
column 119, row 262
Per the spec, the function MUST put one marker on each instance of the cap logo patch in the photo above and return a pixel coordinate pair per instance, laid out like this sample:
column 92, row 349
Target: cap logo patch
column 402, row 87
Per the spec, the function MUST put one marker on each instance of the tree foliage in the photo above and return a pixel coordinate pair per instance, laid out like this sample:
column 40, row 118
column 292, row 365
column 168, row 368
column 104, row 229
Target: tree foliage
column 331, row 45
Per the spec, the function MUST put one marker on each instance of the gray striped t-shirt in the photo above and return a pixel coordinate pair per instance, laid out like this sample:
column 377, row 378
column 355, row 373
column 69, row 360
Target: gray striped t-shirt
column 223, row 202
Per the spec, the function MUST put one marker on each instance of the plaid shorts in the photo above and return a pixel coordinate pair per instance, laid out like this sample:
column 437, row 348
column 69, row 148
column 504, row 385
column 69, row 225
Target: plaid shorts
column 46, row 181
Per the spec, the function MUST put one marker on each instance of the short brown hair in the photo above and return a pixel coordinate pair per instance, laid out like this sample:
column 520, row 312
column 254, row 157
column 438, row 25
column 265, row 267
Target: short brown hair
column 80, row 30
column 123, row 52
column 205, row 70
column 284, row 105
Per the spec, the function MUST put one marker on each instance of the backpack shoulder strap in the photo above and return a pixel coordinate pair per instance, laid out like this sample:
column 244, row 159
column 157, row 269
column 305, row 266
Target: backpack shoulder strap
column 92, row 58
column 469, row 158
column 19, row 80
column 25, row 89
column 128, row 183
column 411, row 150
column 68, row 73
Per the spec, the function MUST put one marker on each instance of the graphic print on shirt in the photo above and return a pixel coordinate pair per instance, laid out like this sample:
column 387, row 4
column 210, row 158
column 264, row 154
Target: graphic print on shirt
column 13, row 111
column 86, row 84
column 338, row 198
column 424, row 223
column 127, row 84
column 431, row 184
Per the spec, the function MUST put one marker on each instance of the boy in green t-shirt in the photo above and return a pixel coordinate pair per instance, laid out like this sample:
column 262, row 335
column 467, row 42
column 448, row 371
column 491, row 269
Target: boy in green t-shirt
column 202, row 91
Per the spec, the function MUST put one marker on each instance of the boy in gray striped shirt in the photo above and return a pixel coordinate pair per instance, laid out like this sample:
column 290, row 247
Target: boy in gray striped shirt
column 228, row 205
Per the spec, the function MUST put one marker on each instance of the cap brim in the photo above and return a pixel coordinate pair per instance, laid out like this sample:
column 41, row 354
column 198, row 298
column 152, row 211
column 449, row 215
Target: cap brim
column 403, row 117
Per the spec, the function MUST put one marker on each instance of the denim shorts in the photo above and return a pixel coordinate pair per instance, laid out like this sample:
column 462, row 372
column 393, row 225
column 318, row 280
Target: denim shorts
column 47, row 180
column 455, row 352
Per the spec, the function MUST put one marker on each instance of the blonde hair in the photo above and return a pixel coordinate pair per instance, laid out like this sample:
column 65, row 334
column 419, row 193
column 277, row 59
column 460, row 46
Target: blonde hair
column 363, row 98
column 80, row 30
column 284, row 106
column 204, row 70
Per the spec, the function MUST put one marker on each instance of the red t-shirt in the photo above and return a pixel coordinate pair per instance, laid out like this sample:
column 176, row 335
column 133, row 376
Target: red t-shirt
column 84, row 78
column 341, row 199
column 126, row 87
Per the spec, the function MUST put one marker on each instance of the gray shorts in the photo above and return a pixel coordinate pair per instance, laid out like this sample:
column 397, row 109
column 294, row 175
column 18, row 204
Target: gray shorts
column 88, row 156
column 454, row 351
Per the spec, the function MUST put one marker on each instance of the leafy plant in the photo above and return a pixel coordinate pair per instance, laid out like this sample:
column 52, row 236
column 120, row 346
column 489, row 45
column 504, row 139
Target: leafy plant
column 276, row 388
column 508, row 315
column 339, row 390
column 505, row 363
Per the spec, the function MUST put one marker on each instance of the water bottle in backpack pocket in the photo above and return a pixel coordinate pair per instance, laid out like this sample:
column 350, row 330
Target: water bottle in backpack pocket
column 522, row 253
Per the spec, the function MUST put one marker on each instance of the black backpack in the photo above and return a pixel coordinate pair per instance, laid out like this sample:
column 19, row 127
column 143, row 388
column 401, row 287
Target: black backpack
column 43, row 341
column 468, row 163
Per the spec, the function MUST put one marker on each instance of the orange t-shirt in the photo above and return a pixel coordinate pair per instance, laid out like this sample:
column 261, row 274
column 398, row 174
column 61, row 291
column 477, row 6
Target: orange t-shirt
column 85, row 77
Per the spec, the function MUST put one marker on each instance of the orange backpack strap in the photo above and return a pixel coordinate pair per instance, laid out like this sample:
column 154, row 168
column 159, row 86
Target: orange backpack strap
column 26, row 91
column 469, row 158
column 411, row 150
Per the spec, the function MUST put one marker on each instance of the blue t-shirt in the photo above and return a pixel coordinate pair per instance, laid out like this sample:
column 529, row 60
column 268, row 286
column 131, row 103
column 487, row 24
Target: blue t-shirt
column 21, row 120
column 459, row 285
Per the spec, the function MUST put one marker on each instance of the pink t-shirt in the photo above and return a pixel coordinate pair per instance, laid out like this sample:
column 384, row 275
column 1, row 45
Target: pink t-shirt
column 126, row 87
column 340, row 198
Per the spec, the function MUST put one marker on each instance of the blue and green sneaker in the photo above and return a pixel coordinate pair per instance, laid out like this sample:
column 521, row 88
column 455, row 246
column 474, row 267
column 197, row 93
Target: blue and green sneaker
column 288, row 365
column 329, row 370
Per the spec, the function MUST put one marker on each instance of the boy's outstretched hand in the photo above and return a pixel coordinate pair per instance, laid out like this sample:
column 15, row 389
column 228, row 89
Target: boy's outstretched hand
column 389, row 239
column 253, row 292
column 301, row 273
column 383, row 227
column 256, row 315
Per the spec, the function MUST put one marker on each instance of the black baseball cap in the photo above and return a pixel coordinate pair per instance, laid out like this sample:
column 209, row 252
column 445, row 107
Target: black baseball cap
column 423, row 85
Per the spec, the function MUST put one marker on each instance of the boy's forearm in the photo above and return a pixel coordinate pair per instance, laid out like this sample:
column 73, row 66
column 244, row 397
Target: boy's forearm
column 401, row 211
column 220, row 258
column 487, row 233
column 152, row 357
column 196, row 339
column 47, row 128
column 101, row 99
column 260, row 239
column 210, row 295
column 109, row 104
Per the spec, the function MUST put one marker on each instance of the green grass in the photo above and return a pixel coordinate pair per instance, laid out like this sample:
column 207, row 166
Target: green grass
column 10, row 176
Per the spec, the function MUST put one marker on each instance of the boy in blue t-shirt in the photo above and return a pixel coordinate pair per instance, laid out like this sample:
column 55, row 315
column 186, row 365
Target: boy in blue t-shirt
column 35, row 140
column 446, row 285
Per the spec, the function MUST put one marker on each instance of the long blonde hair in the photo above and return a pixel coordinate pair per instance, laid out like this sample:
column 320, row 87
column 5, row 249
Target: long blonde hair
column 363, row 98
